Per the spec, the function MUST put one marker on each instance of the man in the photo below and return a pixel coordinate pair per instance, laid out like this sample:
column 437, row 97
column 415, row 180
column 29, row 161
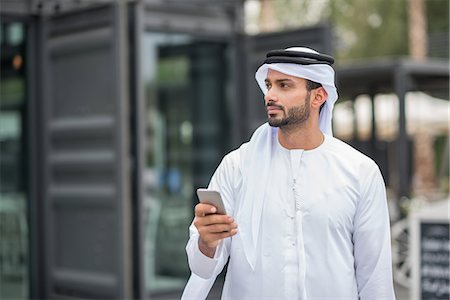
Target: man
column 307, row 214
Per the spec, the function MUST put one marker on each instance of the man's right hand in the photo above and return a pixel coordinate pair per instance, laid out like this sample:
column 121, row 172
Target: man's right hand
column 212, row 228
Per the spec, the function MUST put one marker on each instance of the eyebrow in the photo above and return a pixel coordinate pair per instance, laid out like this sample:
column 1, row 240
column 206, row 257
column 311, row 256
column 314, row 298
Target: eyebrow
column 279, row 80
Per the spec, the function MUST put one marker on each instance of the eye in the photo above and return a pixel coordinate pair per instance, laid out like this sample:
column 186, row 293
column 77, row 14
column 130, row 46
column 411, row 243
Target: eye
column 268, row 85
column 284, row 85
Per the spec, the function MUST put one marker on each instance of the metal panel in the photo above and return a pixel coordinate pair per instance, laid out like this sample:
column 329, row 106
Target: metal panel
column 198, row 17
column 50, row 7
column 137, row 113
column 84, row 156
column 318, row 38
column 15, row 7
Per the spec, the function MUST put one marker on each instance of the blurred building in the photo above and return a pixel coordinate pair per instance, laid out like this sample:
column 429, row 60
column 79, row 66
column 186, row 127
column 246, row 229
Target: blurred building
column 112, row 113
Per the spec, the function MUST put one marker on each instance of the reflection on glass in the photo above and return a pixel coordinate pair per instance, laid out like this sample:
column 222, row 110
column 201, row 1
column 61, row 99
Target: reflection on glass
column 13, row 200
column 186, row 136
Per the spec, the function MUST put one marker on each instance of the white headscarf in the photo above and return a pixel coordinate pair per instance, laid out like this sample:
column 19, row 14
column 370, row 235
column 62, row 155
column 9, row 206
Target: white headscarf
column 320, row 73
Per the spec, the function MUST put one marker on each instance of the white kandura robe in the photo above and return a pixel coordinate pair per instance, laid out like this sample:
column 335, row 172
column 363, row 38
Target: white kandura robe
column 323, row 232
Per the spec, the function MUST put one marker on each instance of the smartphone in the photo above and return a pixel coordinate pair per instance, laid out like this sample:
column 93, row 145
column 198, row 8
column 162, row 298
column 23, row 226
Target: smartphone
column 212, row 197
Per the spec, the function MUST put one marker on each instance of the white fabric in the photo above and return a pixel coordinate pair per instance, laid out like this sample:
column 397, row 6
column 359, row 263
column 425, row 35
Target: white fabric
column 334, row 216
column 321, row 73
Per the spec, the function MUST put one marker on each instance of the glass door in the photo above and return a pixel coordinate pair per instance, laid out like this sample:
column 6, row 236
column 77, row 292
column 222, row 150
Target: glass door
column 187, row 116
column 13, row 186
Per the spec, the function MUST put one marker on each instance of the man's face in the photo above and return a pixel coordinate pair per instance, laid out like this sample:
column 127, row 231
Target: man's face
column 287, row 100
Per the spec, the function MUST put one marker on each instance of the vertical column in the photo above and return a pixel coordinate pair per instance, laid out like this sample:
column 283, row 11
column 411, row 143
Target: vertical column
column 354, row 119
column 373, row 130
column 137, row 145
column 400, row 84
column 418, row 41
column 124, row 205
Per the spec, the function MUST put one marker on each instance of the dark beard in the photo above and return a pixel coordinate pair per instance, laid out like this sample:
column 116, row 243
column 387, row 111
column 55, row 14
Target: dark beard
column 295, row 116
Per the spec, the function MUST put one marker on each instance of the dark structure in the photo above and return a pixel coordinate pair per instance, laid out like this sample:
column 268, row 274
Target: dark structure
column 399, row 77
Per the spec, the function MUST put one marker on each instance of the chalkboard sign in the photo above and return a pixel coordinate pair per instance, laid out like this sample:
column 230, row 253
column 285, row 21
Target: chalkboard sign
column 434, row 260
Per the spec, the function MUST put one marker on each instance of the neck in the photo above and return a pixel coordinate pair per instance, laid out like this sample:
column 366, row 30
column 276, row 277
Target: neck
column 305, row 137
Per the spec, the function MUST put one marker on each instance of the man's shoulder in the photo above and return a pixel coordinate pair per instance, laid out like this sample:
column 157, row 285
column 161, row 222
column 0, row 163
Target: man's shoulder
column 347, row 152
column 234, row 156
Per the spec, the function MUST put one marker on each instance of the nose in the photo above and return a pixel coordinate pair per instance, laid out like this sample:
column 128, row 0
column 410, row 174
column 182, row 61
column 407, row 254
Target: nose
column 270, row 96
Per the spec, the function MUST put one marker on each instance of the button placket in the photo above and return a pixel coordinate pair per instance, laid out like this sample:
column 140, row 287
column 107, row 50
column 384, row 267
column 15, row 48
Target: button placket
column 296, row 157
column 297, row 242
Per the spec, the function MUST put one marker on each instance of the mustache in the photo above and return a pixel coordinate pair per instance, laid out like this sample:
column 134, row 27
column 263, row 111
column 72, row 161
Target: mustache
column 271, row 103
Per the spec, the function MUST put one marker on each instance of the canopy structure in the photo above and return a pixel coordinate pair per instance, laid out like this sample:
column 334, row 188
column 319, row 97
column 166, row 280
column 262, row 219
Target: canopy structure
column 397, row 76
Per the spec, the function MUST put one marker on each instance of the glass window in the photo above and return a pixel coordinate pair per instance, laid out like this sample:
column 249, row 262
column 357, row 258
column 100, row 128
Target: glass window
column 186, row 82
column 13, row 194
column 15, row 34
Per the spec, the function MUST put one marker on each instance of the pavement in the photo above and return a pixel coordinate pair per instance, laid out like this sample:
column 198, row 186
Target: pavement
column 401, row 293
column 11, row 289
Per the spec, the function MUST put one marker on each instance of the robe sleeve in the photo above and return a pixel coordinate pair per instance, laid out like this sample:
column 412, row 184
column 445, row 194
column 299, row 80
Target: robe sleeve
column 224, row 181
column 371, row 238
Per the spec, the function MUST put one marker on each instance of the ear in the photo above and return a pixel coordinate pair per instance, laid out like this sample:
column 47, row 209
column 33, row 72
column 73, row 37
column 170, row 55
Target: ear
column 320, row 95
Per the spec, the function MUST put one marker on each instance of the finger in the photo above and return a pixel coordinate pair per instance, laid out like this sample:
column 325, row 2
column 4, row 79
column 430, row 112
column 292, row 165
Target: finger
column 223, row 235
column 202, row 209
column 212, row 219
column 219, row 228
column 213, row 238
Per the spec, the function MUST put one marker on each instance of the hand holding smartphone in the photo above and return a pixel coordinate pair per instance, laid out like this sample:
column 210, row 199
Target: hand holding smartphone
column 212, row 197
column 211, row 236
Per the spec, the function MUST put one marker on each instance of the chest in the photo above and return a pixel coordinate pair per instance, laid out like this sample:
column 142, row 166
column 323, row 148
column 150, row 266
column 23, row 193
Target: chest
column 326, row 194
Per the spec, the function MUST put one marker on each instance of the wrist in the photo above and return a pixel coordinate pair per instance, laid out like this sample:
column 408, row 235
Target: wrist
column 205, row 249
